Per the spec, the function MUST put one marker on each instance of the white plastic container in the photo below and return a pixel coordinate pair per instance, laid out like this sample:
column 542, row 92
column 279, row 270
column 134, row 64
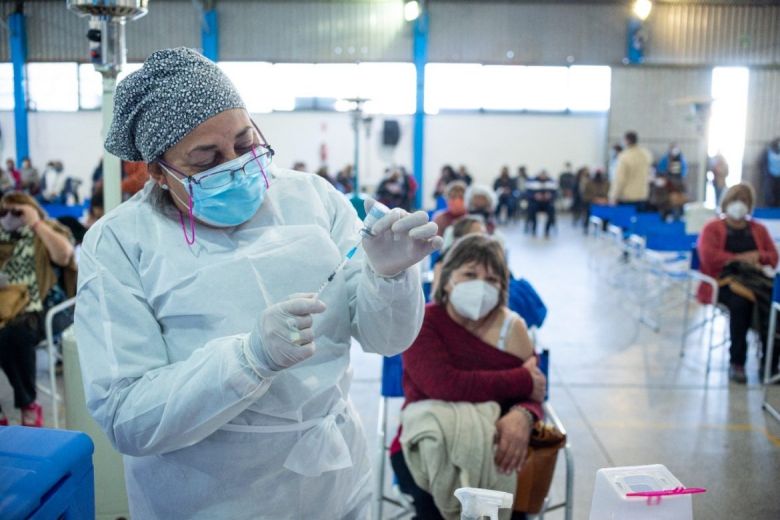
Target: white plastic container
column 613, row 484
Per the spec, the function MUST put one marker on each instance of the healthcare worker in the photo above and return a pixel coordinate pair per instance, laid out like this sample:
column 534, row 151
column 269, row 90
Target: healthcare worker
column 206, row 358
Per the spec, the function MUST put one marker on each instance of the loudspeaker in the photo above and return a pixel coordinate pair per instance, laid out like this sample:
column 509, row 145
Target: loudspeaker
column 391, row 132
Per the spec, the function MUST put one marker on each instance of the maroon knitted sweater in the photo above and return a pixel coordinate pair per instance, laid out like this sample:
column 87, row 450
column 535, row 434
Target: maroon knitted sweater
column 448, row 363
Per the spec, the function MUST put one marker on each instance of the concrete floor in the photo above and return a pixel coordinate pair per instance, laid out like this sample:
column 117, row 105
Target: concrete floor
column 621, row 389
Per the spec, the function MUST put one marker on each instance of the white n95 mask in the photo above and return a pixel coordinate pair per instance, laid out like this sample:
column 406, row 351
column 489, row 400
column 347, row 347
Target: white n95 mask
column 737, row 210
column 474, row 299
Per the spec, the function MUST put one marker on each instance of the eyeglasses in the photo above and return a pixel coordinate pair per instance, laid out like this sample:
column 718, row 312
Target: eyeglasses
column 14, row 212
column 217, row 179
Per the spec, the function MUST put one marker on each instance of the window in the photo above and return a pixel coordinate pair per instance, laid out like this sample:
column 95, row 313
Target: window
column 728, row 121
column 589, row 88
column 513, row 87
column 53, row 86
column 254, row 83
column 6, row 86
column 546, row 88
column 389, row 87
column 91, row 84
column 453, row 86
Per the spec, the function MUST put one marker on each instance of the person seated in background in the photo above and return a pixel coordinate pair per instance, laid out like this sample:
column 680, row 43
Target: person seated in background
column 508, row 194
column 578, row 204
column 541, row 192
column 567, row 183
column 726, row 244
column 30, row 178
column 410, row 187
column 456, row 206
column 446, row 176
column 6, row 182
column 52, row 183
column 481, row 200
column 670, row 177
column 134, row 176
column 344, row 180
column 464, row 175
column 392, row 190
column 472, row 349
column 299, row 166
column 13, row 173
column 595, row 191
column 31, row 246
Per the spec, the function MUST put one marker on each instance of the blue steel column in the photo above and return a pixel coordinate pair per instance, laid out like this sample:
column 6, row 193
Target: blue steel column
column 209, row 35
column 420, row 58
column 19, row 58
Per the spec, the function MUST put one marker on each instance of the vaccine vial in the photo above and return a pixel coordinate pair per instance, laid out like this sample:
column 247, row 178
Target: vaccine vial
column 378, row 210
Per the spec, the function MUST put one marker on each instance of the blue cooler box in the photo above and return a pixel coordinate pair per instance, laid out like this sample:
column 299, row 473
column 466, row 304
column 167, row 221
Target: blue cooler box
column 45, row 474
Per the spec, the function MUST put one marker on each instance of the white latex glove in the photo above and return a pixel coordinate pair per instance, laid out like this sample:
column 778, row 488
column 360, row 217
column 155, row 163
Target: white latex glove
column 283, row 335
column 400, row 240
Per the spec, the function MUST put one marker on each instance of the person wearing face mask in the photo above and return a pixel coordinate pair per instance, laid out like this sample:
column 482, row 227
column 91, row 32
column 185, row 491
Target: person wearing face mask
column 472, row 348
column 456, row 206
column 734, row 237
column 670, row 174
column 30, row 247
column 206, row 356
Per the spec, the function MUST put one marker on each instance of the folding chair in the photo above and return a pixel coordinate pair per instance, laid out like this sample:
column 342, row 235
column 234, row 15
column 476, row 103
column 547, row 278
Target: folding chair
column 391, row 387
column 54, row 356
column 769, row 379
column 550, row 416
column 713, row 309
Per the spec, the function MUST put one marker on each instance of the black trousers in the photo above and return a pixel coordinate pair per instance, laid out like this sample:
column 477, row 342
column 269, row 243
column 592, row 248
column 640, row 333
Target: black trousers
column 536, row 207
column 18, row 340
column 772, row 191
column 740, row 321
column 424, row 506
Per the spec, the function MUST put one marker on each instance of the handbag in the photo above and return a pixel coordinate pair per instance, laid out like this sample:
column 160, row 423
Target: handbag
column 535, row 477
column 13, row 300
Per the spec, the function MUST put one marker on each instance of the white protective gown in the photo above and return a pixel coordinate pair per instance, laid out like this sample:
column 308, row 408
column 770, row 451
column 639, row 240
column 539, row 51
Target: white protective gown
column 161, row 329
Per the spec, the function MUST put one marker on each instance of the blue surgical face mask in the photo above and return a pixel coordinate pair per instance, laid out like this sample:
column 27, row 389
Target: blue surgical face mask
column 229, row 194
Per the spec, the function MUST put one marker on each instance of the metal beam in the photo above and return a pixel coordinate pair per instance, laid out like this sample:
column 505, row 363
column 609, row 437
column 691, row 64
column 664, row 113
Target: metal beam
column 18, row 41
column 209, row 34
column 420, row 59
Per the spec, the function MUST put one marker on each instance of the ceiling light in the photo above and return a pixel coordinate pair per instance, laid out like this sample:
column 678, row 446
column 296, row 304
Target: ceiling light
column 642, row 9
column 411, row 11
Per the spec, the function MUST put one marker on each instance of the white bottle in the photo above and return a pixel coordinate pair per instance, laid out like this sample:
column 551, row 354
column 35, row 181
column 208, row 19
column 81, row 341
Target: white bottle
column 476, row 503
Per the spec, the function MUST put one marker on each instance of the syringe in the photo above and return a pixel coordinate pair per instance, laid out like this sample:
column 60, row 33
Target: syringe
column 339, row 267
column 377, row 211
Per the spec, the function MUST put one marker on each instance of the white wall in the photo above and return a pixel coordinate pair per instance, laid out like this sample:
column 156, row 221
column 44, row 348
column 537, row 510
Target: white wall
column 72, row 137
column 482, row 142
column 486, row 142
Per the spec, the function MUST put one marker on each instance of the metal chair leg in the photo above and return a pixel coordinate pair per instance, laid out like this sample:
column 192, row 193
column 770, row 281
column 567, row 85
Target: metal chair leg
column 379, row 489
column 711, row 339
column 686, row 312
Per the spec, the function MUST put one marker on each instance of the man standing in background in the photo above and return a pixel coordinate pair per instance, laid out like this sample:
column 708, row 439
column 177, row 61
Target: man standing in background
column 770, row 171
column 631, row 174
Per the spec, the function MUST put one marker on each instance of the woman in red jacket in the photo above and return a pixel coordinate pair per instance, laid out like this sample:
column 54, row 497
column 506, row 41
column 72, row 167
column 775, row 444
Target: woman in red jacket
column 735, row 237
column 472, row 348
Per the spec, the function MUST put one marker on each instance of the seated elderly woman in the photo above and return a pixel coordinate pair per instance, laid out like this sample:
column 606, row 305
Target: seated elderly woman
column 30, row 247
column 456, row 207
column 471, row 349
column 728, row 245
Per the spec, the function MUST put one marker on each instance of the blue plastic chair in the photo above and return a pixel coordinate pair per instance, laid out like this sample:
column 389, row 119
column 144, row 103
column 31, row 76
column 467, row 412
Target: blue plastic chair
column 767, row 213
column 641, row 223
